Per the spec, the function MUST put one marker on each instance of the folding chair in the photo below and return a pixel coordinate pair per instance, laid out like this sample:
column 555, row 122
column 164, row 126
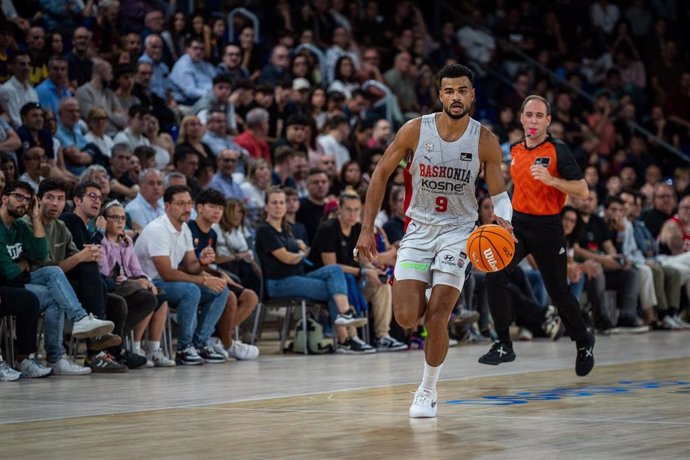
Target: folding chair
column 289, row 303
column 7, row 332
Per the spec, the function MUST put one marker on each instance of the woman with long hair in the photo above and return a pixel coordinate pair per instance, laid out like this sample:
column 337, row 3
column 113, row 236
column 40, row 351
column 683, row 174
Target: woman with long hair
column 215, row 39
column 344, row 77
column 174, row 38
column 251, row 52
column 254, row 189
column 189, row 139
column 234, row 254
column 351, row 176
column 120, row 266
column 317, row 107
column 282, row 261
column 573, row 226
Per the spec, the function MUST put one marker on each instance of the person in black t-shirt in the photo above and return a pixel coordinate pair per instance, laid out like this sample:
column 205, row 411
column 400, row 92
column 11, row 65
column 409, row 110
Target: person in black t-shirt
column 292, row 202
column 334, row 244
column 282, row 261
column 241, row 302
column 312, row 207
column 664, row 202
column 597, row 243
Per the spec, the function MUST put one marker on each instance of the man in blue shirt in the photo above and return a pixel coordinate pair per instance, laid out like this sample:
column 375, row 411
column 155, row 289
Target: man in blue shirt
column 153, row 53
column 71, row 137
column 191, row 76
column 54, row 88
column 148, row 204
column 217, row 139
column 222, row 181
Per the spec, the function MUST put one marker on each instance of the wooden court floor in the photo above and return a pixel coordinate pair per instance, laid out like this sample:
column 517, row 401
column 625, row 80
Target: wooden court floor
column 635, row 404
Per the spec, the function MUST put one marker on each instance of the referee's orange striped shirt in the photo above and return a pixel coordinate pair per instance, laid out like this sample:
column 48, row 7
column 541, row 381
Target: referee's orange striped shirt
column 531, row 196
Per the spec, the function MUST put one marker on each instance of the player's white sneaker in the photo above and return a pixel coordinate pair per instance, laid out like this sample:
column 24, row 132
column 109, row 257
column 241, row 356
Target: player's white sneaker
column 424, row 404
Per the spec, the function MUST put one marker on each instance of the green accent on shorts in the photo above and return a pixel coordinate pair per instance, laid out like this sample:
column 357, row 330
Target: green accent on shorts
column 420, row 266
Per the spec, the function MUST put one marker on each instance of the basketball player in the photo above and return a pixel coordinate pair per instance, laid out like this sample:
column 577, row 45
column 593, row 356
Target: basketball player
column 544, row 172
column 444, row 152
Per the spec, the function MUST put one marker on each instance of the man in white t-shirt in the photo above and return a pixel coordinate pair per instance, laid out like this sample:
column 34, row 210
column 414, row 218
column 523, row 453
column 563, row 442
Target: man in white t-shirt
column 337, row 130
column 166, row 252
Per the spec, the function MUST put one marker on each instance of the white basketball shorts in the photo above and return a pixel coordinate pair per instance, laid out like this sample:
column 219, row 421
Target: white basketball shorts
column 434, row 254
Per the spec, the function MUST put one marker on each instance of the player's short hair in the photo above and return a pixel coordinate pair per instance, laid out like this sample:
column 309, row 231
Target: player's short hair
column 536, row 97
column 455, row 71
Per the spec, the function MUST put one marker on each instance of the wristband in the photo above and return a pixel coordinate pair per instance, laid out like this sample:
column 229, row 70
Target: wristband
column 503, row 208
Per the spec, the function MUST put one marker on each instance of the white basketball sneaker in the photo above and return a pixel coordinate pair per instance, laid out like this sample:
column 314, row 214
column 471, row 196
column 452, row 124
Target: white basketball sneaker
column 424, row 404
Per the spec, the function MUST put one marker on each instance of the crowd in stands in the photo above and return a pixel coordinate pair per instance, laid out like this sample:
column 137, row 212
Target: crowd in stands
column 190, row 161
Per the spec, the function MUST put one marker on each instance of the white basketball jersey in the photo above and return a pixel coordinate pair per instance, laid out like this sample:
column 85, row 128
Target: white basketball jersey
column 440, row 181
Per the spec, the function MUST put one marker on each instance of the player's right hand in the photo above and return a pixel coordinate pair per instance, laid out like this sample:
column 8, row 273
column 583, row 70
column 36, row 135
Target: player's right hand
column 505, row 224
column 366, row 246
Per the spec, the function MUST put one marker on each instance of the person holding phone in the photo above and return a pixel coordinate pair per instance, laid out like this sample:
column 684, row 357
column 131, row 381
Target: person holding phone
column 334, row 243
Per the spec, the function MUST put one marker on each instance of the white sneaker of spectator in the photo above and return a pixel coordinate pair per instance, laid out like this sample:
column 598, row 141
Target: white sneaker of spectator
column 90, row 326
column 7, row 374
column 65, row 366
column 670, row 324
column 242, row 351
column 32, row 368
column 680, row 322
column 217, row 345
column 159, row 359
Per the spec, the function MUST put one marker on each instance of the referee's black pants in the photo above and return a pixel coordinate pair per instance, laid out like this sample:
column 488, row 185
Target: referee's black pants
column 543, row 237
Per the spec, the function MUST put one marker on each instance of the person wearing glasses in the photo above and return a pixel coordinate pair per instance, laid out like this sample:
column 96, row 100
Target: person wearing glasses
column 146, row 309
column 23, row 247
column 88, row 199
column 232, row 64
column 191, row 76
column 166, row 253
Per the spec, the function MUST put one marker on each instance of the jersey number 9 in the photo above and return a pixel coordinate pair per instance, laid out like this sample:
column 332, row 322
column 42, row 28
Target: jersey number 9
column 441, row 203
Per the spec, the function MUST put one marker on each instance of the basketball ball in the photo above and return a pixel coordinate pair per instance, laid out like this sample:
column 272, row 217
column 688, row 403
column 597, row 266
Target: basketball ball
column 490, row 248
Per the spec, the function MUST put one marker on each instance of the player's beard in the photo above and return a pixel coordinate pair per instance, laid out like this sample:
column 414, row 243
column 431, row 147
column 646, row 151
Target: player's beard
column 456, row 116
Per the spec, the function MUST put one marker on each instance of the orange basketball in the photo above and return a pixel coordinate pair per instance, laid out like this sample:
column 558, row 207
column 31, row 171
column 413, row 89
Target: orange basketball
column 490, row 248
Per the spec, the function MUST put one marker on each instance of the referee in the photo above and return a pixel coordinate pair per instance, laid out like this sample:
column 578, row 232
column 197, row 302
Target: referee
column 544, row 172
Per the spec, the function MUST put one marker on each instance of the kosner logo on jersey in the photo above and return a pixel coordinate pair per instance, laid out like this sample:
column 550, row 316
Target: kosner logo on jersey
column 461, row 175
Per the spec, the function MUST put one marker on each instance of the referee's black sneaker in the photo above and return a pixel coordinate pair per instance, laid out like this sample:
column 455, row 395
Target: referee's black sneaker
column 500, row 352
column 585, row 355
